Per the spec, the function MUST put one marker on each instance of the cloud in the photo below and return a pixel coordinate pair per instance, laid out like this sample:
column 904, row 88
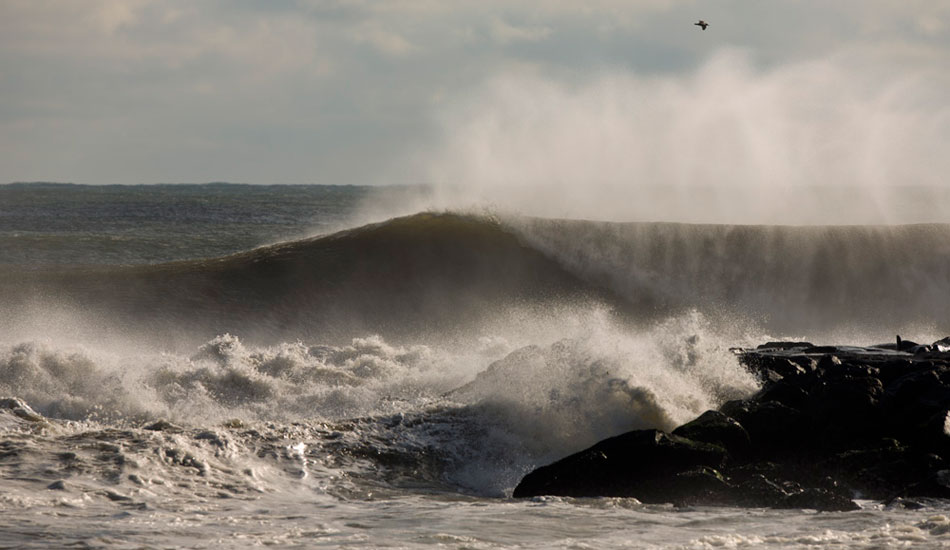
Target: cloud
column 383, row 40
column 506, row 33
column 343, row 91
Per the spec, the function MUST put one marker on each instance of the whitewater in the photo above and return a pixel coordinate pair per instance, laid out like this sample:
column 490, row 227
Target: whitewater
column 223, row 365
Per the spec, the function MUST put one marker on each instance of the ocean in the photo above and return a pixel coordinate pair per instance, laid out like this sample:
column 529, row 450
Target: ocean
column 220, row 365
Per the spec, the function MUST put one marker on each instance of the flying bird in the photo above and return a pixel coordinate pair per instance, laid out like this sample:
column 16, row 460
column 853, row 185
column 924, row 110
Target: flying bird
column 702, row 24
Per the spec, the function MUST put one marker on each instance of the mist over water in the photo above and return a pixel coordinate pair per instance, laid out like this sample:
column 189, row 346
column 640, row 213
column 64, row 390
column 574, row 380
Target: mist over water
column 838, row 140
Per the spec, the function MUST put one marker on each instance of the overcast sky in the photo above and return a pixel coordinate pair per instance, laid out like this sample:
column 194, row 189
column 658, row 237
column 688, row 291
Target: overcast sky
column 473, row 92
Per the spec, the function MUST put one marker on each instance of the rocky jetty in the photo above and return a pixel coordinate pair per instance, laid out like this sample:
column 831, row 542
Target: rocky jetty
column 831, row 424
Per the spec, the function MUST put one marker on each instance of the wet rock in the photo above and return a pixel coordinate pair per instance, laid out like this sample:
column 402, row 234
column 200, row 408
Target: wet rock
column 879, row 470
column 830, row 422
column 718, row 429
column 636, row 464
column 759, row 492
column 845, row 409
column 914, row 399
column 787, row 393
column 773, row 428
column 701, row 486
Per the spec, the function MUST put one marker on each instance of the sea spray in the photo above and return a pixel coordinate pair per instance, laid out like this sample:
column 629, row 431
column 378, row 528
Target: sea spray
column 862, row 282
column 836, row 140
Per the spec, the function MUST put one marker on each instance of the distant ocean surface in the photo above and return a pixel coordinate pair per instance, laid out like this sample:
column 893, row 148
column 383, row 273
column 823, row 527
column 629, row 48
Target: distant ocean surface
column 57, row 224
column 231, row 366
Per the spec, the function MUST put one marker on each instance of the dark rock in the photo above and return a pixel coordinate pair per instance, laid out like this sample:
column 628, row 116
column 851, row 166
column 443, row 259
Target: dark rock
column 886, row 469
column 788, row 394
column 703, row 485
column 915, row 398
column 786, row 368
column 760, row 492
column 830, row 422
column 718, row 429
column 777, row 369
column 845, row 409
column 773, row 427
column 893, row 369
column 828, row 362
column 935, row 485
column 772, row 369
column 735, row 408
column 850, row 370
column 805, row 362
column 934, row 434
column 750, row 470
column 637, row 464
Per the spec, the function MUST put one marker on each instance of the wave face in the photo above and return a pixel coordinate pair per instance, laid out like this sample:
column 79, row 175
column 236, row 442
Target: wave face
column 423, row 274
column 438, row 273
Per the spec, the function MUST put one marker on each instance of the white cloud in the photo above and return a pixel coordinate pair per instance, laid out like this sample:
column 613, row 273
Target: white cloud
column 506, row 33
column 384, row 40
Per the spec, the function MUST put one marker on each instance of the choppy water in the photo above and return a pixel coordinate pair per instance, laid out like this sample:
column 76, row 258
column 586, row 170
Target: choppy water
column 387, row 386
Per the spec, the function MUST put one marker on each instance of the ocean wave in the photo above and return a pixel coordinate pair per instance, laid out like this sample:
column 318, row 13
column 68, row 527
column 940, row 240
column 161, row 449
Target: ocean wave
column 421, row 275
column 474, row 418
column 443, row 274
column 855, row 282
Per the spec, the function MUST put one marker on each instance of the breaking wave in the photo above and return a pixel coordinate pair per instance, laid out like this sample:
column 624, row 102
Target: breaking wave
column 439, row 274
column 446, row 350
column 477, row 418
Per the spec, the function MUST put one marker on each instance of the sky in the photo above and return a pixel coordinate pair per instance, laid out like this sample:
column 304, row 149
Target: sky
column 475, row 93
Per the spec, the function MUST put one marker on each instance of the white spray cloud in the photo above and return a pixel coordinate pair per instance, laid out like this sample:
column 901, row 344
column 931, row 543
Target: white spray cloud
column 627, row 146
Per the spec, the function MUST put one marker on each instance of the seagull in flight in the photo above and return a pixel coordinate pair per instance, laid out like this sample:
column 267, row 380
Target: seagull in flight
column 702, row 24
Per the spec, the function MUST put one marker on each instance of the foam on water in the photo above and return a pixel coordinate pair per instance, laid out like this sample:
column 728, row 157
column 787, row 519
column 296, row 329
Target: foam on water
column 487, row 413
column 309, row 483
